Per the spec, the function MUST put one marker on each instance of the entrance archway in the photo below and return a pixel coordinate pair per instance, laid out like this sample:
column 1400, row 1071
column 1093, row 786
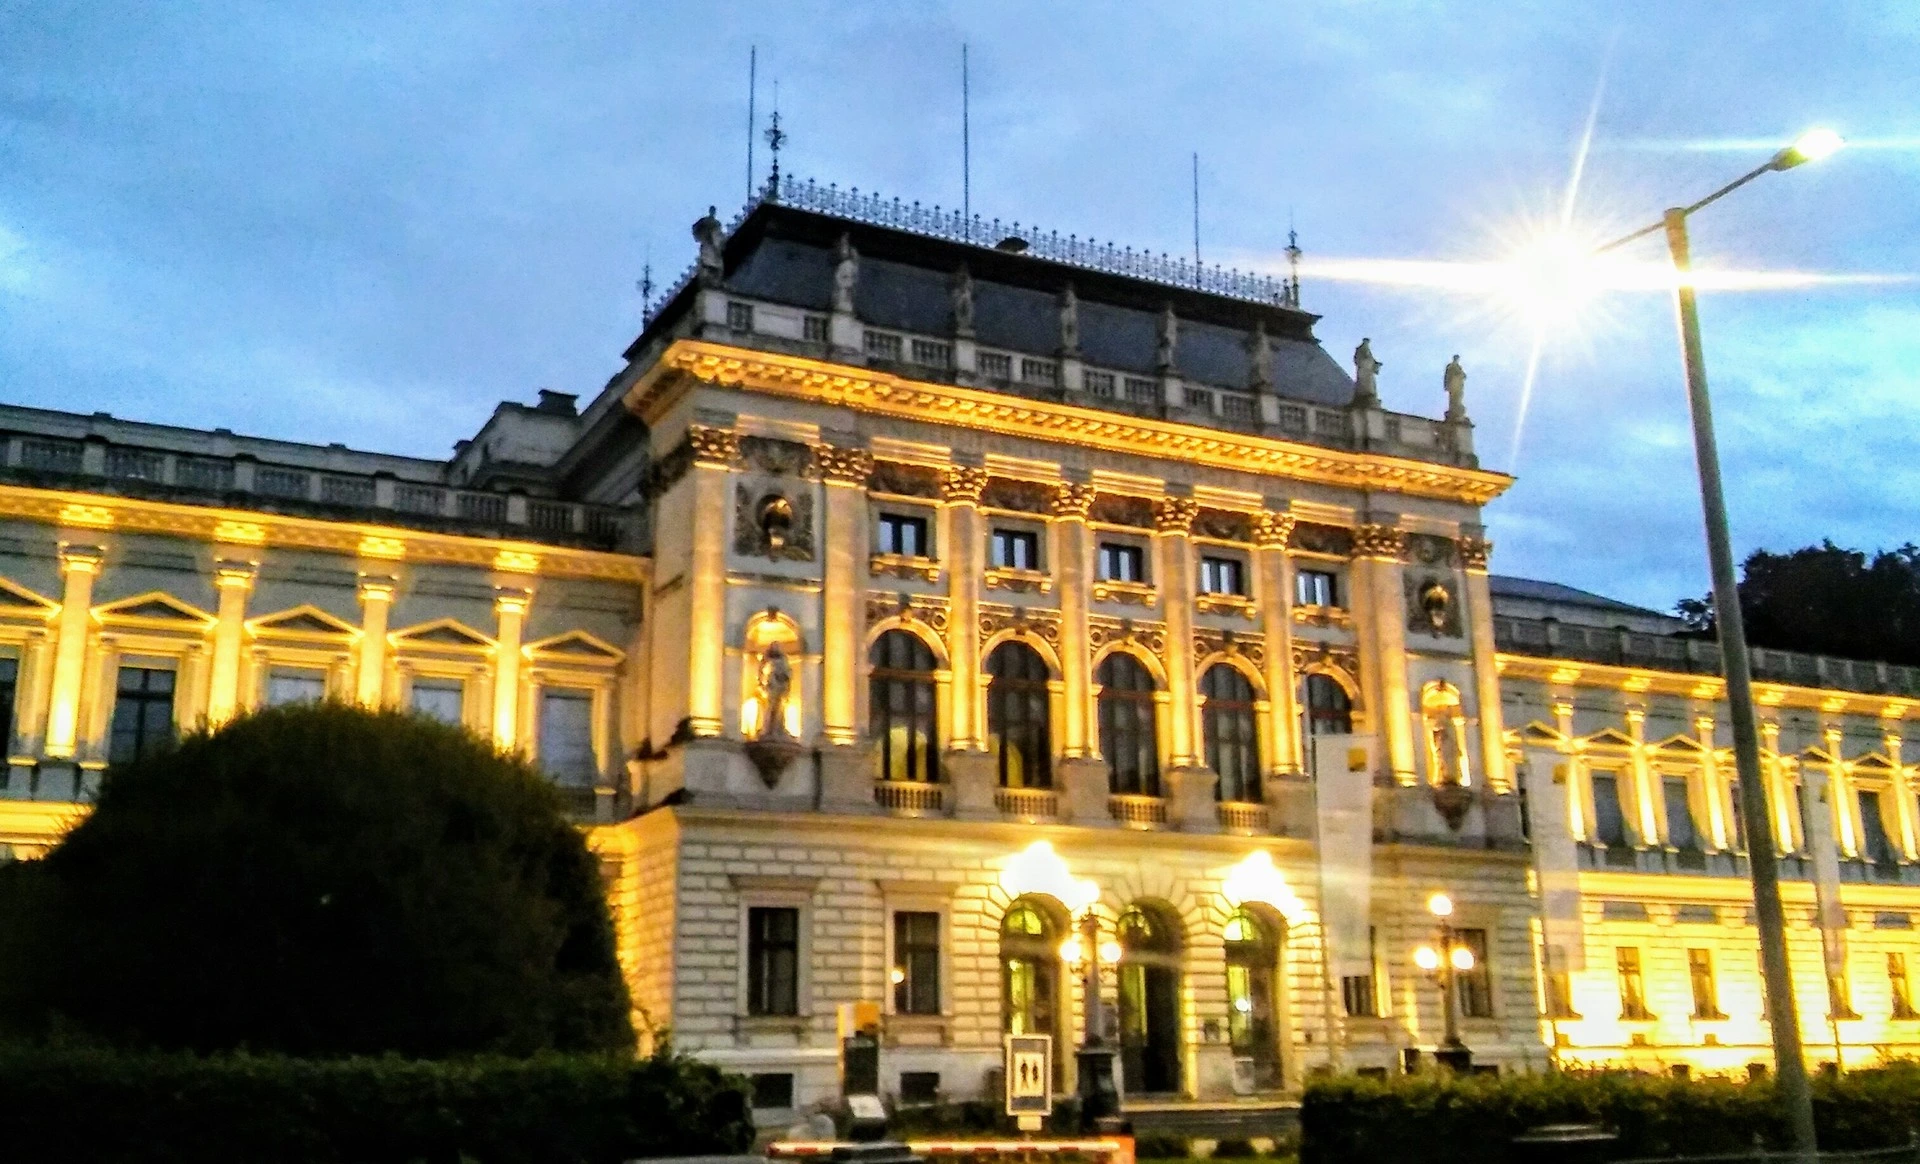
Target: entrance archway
column 1253, row 1004
column 1030, row 992
column 1150, row 1049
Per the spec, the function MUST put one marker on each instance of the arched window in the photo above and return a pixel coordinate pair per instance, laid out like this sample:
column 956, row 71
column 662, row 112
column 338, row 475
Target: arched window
column 1128, row 738
column 900, row 707
column 1030, row 969
column 1226, row 720
column 1329, row 711
column 1253, row 958
column 1017, row 716
column 1150, row 1000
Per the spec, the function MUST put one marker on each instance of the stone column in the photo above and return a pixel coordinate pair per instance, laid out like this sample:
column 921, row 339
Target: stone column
column 961, row 490
column 1474, row 553
column 376, row 601
column 234, row 580
column 1191, row 785
column 510, row 615
column 1272, row 531
column 845, row 472
column 79, row 565
column 1071, row 553
column 714, row 452
column 1381, row 549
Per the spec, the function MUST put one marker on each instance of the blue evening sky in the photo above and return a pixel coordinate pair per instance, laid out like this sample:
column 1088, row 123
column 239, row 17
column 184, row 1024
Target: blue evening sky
column 368, row 222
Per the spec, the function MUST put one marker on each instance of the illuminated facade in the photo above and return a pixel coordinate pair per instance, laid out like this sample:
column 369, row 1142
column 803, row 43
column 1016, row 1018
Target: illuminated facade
column 901, row 600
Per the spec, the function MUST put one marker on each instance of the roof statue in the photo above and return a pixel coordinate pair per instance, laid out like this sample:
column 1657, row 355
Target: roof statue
column 712, row 264
column 1456, row 382
column 1259, row 358
column 846, row 273
column 960, row 292
column 1366, row 375
column 1069, row 322
column 1169, row 335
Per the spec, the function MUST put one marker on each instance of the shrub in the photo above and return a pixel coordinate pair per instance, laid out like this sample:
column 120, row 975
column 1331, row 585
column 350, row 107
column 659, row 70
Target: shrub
column 1161, row 1146
column 323, row 880
column 1236, row 1149
column 92, row 1107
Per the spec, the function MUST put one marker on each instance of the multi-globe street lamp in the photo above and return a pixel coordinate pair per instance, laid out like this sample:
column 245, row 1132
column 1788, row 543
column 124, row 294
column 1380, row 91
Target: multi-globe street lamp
column 1754, row 799
column 1099, row 1096
column 1443, row 962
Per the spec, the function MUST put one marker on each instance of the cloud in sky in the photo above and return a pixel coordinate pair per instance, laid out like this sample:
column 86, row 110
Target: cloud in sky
column 369, row 222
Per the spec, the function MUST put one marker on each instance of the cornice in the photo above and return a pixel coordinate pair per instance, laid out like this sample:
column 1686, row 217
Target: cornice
column 215, row 525
column 886, row 394
column 1687, row 685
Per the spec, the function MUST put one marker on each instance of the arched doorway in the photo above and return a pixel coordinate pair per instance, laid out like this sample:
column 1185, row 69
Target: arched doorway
column 1253, row 1005
column 1150, row 1048
column 1030, row 969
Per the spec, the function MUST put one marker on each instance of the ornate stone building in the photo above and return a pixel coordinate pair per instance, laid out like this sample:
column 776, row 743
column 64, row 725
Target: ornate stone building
column 912, row 592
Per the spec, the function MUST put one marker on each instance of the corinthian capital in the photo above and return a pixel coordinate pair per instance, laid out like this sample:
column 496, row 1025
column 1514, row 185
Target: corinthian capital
column 1386, row 542
column 1071, row 500
column 713, row 446
column 963, row 483
column 1175, row 514
column 852, row 466
column 1474, row 552
column 1273, row 530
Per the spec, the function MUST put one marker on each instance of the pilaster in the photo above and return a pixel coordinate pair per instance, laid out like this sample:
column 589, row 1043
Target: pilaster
column 1173, row 554
column 1903, row 793
column 1273, row 530
column 376, row 602
column 1380, row 548
column 1844, row 803
column 1071, row 552
column 960, row 490
column 845, row 472
column 234, row 581
column 714, row 452
column 510, row 614
column 1645, row 795
column 1773, row 770
column 79, row 565
column 1710, row 786
column 1475, row 551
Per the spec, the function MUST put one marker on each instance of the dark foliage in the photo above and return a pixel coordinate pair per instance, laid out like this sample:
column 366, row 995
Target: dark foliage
column 95, row 1107
column 1825, row 600
column 316, row 881
column 1473, row 1120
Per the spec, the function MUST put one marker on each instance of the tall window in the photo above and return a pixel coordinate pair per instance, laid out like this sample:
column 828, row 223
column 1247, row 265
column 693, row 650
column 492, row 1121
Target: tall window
column 1681, row 831
column 773, row 960
column 1560, row 995
column 142, row 713
column 1030, row 970
column 1706, row 995
column 566, row 736
column 440, row 699
column 1476, row 985
column 1358, row 994
column 906, row 536
column 9, row 687
column 1222, row 576
column 900, row 707
column 1122, row 563
column 1016, row 549
column 1900, row 986
column 295, row 685
column 1017, row 716
column 1226, row 720
column 1128, row 737
column 1874, row 845
column 1739, row 818
column 1609, row 822
column 1253, row 954
column 1329, row 710
column 916, row 962
column 1633, row 985
column 1316, row 588
column 1840, row 997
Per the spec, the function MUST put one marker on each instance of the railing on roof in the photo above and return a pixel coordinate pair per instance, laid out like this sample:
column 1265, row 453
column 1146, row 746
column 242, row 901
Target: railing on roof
column 953, row 226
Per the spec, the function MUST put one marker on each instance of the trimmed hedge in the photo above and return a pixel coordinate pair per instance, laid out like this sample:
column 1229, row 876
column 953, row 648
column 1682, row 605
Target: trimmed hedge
column 92, row 1107
column 1472, row 1120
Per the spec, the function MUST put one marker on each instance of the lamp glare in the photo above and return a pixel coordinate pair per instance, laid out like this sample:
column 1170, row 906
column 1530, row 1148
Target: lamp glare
column 1462, row 958
column 1110, row 952
column 1816, row 144
column 1071, row 951
column 1426, row 958
column 1440, row 905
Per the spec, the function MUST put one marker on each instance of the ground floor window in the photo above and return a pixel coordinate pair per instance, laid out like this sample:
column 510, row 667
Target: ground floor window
column 142, row 714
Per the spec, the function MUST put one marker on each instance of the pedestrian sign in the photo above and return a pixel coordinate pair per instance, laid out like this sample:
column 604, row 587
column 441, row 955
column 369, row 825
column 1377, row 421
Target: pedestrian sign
column 1029, row 1074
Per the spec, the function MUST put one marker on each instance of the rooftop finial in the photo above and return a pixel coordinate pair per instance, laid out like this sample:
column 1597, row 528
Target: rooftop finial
column 1293, row 263
column 645, row 285
column 776, row 137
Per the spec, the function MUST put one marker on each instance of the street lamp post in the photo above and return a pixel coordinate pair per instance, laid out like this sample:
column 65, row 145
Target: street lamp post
column 1762, row 864
column 1099, row 1096
column 1444, row 965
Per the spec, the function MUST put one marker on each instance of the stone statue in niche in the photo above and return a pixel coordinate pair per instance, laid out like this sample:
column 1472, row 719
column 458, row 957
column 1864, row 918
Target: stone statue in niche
column 773, row 526
column 1069, row 322
column 1259, row 358
column 776, row 685
column 1431, row 607
column 1455, row 380
column 1366, row 375
column 960, row 296
column 846, row 274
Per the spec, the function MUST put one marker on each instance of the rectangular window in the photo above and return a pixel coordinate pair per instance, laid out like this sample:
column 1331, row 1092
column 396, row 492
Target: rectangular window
column 1142, row 391
column 813, row 328
column 1316, row 588
column 1633, row 986
column 1016, row 549
column 142, row 713
column 1609, row 822
column 919, row 1087
column 1359, row 992
column 773, row 960
column 740, row 316
column 1840, row 997
column 1097, row 384
column 931, row 353
column 1681, row 833
column 993, row 365
column 9, row 688
column 916, row 962
column 1706, row 996
column 1200, row 399
column 1038, row 371
column 1901, row 986
column 295, row 685
column 903, row 535
column 1476, row 985
column 566, row 737
column 288, row 483
column 1222, row 576
column 883, row 345
column 1560, row 995
column 1874, row 845
column 1239, row 409
column 1122, row 563
column 441, row 699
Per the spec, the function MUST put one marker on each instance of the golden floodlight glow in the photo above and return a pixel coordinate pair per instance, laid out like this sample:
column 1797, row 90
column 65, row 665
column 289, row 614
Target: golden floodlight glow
column 1072, row 951
column 1255, row 879
column 1038, row 869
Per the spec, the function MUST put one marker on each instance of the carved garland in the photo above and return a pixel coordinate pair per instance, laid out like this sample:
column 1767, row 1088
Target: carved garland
column 908, row 608
column 1149, row 636
column 1043, row 623
column 1207, row 643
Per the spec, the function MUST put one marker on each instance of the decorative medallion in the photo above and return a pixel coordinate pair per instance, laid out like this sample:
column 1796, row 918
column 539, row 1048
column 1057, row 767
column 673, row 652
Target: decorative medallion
column 904, row 480
column 1431, row 607
column 1020, row 496
column 773, row 526
column 1226, row 525
column 776, row 457
column 1121, row 509
column 1428, row 550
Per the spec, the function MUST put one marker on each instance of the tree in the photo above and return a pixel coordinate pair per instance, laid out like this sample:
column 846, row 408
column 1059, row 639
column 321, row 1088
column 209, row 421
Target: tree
column 324, row 880
column 1825, row 600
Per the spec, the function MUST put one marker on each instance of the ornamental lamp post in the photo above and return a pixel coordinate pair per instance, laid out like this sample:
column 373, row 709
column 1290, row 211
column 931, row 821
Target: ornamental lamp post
column 1443, row 966
column 1762, row 865
column 1099, row 1096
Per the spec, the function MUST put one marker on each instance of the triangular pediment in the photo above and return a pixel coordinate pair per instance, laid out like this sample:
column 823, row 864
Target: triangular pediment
column 304, row 621
column 151, row 608
column 443, row 633
column 1609, row 738
column 1541, row 734
column 1873, row 762
column 1816, row 756
column 577, row 646
column 1686, row 744
column 19, row 602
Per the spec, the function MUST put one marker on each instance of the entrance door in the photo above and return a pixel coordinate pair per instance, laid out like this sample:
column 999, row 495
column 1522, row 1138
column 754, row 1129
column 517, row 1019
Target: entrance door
column 1252, row 957
column 1150, row 1048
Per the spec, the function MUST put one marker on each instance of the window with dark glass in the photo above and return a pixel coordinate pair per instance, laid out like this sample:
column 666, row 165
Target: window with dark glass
column 1682, row 833
column 1316, row 588
column 916, row 962
column 142, row 713
column 1016, row 549
column 1739, row 818
column 1122, row 563
column 740, row 316
column 773, row 960
column 1358, row 994
column 900, row 708
column 9, row 688
column 1329, row 710
column 1017, row 716
column 1900, row 986
column 1633, row 985
column 1227, row 722
column 1560, row 996
column 1609, row 823
column 1128, row 737
column 1706, row 994
column 1222, row 576
column 1476, row 985
column 906, row 536
column 295, row 685
column 1253, row 958
column 1874, row 844
column 566, row 736
column 441, row 699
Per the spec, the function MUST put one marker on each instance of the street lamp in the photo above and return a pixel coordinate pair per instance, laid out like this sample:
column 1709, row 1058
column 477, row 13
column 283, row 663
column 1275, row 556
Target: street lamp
column 1443, row 966
column 1761, row 862
column 1099, row 1097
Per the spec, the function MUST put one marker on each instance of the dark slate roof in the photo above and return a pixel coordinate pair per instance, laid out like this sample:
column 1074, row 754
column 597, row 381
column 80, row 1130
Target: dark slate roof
column 1506, row 586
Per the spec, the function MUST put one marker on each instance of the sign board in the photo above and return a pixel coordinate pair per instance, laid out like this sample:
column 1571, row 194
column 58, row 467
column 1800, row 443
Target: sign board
column 1029, row 1075
column 859, row 1024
